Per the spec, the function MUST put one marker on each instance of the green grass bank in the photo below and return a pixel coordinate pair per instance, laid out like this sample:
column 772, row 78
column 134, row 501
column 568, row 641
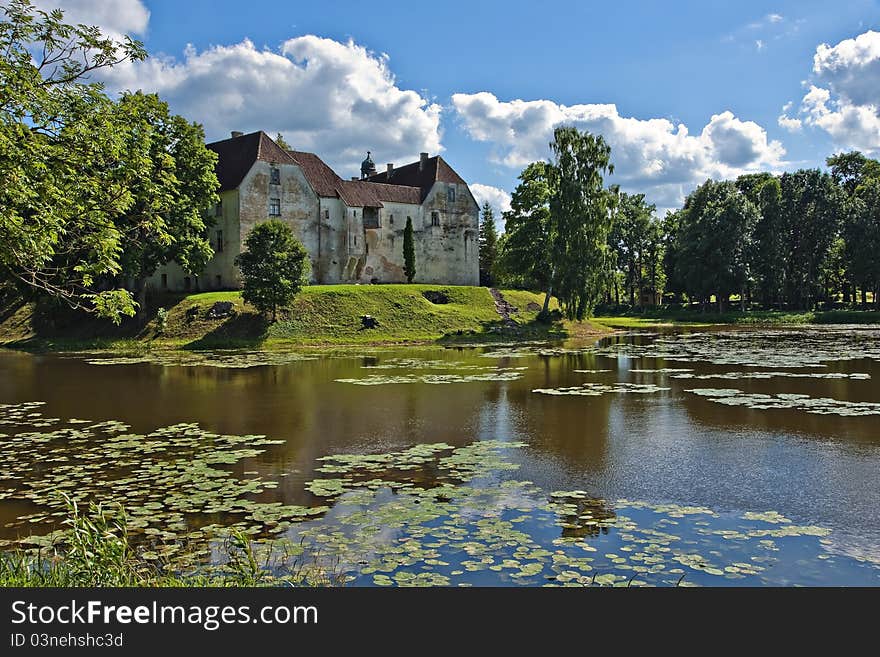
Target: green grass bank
column 320, row 315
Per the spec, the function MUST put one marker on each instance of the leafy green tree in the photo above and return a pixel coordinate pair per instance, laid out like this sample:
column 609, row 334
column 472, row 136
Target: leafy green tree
column 864, row 233
column 409, row 252
column 488, row 245
column 524, row 252
column 768, row 255
column 281, row 141
column 653, row 252
column 274, row 267
column 557, row 227
column 811, row 206
column 63, row 147
column 628, row 240
column 670, row 235
column 713, row 241
column 176, row 182
column 580, row 211
column 853, row 173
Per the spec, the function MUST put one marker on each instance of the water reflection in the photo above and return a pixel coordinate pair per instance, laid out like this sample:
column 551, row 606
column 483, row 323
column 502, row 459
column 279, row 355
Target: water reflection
column 664, row 446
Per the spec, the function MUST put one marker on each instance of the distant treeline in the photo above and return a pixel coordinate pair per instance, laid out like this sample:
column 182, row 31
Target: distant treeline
column 790, row 241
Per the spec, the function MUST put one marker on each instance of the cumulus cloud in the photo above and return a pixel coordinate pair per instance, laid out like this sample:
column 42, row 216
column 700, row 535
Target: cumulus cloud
column 497, row 198
column 650, row 155
column 851, row 68
column 337, row 99
column 844, row 96
column 114, row 17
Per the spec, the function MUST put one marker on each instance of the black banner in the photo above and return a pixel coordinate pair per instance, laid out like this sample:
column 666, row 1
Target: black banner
column 130, row 621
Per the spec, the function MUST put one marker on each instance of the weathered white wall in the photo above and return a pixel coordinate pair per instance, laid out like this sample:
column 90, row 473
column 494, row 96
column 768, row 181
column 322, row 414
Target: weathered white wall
column 222, row 264
column 449, row 253
column 299, row 204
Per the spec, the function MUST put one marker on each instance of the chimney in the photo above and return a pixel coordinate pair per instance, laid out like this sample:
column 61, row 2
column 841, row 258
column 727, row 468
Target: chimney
column 423, row 160
column 236, row 133
column 390, row 166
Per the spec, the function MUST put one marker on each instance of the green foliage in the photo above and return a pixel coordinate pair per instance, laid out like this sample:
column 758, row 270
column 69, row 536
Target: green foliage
column 274, row 267
column 713, row 245
column 409, row 252
column 859, row 180
column 279, row 139
column 580, row 211
column 810, row 209
column 636, row 248
column 488, row 245
column 557, row 227
column 63, row 148
column 175, row 183
column 524, row 253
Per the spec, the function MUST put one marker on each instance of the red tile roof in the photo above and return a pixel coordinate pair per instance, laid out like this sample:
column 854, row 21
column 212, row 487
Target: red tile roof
column 238, row 154
column 407, row 184
column 436, row 169
column 320, row 176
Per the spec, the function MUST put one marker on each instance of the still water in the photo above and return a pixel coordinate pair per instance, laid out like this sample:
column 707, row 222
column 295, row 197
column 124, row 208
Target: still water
column 722, row 457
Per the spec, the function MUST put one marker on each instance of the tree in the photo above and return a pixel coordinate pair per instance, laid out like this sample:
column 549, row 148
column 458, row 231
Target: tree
column 713, row 242
column 176, row 183
column 854, row 173
column 524, row 253
column 488, row 245
column 559, row 221
column 62, row 160
column 279, row 139
column 409, row 252
column 810, row 217
column 768, row 255
column 580, row 210
column 628, row 240
column 274, row 267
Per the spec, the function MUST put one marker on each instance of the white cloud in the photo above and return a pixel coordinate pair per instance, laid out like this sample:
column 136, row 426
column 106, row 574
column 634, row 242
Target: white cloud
column 844, row 98
column 774, row 18
column 114, row 17
column 337, row 99
column 496, row 197
column 653, row 156
column 759, row 45
column 788, row 123
column 851, row 68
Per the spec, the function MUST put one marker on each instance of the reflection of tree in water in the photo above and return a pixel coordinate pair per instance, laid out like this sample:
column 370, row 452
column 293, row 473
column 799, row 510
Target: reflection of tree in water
column 581, row 516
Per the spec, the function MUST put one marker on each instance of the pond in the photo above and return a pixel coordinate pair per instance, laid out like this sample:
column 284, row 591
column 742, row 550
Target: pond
column 719, row 457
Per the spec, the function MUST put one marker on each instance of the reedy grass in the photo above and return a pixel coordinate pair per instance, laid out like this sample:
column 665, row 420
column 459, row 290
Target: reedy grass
column 95, row 551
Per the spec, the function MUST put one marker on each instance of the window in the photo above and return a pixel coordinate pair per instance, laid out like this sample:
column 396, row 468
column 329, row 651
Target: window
column 326, row 215
column 218, row 209
column 391, row 219
column 219, row 248
column 435, row 218
column 219, row 281
column 450, row 194
column 371, row 217
column 274, row 176
column 274, row 207
column 164, row 281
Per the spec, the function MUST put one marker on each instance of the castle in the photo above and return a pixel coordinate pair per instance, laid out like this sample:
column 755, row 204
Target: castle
column 352, row 229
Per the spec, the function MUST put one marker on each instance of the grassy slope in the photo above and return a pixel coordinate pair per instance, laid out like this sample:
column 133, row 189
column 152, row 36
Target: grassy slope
column 321, row 314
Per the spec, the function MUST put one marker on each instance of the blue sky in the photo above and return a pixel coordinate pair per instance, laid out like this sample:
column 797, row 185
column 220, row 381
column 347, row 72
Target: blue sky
column 399, row 78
